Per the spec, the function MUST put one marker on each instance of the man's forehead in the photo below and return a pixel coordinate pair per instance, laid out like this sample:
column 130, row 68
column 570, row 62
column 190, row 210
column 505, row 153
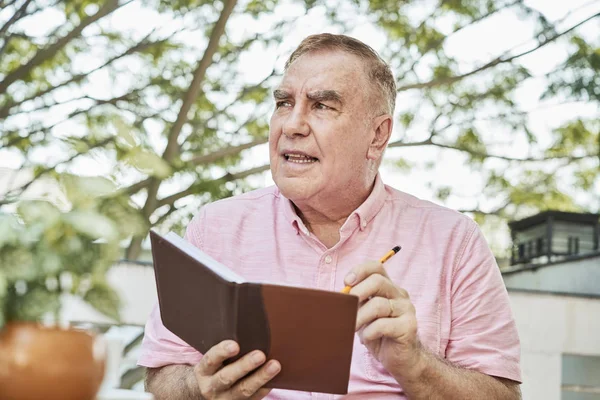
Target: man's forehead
column 324, row 70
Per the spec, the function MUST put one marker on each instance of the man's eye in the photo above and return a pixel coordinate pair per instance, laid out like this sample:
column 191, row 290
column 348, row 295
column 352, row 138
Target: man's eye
column 282, row 104
column 321, row 106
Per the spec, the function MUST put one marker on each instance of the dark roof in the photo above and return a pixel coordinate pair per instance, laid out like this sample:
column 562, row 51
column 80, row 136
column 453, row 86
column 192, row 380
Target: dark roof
column 585, row 218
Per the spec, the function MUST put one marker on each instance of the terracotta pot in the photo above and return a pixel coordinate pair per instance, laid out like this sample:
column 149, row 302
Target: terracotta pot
column 50, row 363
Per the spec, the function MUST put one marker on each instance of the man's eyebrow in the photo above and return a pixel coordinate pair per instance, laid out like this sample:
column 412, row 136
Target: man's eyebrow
column 325, row 95
column 279, row 94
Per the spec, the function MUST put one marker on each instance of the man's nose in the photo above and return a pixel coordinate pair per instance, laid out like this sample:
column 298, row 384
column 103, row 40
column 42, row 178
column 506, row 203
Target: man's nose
column 296, row 123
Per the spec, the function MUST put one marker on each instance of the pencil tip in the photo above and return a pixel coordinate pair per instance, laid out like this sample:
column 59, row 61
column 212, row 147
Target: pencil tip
column 396, row 249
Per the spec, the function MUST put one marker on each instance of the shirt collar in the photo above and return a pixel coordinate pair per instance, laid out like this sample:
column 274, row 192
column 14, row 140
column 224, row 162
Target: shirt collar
column 364, row 213
column 371, row 207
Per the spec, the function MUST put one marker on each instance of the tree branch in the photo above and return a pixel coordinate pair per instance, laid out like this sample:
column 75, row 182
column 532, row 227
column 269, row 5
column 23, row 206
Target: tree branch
column 163, row 217
column 172, row 148
column 140, row 46
column 400, row 143
column 7, row 4
column 98, row 102
column 136, row 187
column 241, row 94
column 21, row 189
column 199, row 160
column 42, row 55
column 494, row 62
column 484, row 16
column 196, row 187
column 484, row 155
column 8, row 38
column 227, row 151
column 15, row 17
column 496, row 211
column 194, row 89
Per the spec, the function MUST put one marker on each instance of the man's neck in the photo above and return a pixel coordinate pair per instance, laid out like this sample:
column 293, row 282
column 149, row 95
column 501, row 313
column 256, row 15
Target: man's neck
column 325, row 218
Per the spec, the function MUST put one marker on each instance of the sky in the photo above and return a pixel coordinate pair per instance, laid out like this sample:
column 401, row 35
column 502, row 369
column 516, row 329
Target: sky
column 474, row 45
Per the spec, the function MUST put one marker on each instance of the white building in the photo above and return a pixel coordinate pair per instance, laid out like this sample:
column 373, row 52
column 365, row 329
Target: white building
column 554, row 286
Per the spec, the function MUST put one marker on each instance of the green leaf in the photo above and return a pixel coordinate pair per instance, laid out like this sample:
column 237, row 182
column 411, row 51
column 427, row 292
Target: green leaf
column 86, row 189
column 443, row 193
column 9, row 230
column 104, row 299
column 469, row 141
column 587, row 178
column 34, row 304
column 17, row 262
column 124, row 133
column 37, row 211
column 402, row 164
column 148, row 162
column 406, row 119
column 92, row 224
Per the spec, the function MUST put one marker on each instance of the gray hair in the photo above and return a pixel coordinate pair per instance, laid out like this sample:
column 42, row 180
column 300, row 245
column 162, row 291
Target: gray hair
column 378, row 70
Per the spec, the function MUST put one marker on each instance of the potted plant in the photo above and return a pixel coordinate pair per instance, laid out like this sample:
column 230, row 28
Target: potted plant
column 49, row 251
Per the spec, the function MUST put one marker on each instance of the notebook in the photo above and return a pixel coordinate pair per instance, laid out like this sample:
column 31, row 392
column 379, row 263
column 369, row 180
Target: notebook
column 203, row 302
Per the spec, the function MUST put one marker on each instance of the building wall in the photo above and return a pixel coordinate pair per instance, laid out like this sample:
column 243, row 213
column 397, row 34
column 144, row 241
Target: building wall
column 580, row 276
column 549, row 327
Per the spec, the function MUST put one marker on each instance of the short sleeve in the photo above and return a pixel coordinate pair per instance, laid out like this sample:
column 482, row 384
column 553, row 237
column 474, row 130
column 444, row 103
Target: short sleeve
column 483, row 335
column 160, row 346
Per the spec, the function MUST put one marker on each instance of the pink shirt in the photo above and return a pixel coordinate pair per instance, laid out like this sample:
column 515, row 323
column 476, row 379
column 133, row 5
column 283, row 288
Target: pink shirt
column 445, row 264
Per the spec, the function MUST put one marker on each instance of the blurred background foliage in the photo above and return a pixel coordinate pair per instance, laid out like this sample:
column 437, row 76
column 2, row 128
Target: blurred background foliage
column 47, row 253
column 171, row 108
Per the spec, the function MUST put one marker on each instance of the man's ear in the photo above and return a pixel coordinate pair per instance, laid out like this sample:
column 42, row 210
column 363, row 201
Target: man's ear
column 382, row 127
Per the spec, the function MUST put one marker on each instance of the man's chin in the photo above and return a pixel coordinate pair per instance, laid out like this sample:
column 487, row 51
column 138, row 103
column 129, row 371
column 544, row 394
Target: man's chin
column 296, row 188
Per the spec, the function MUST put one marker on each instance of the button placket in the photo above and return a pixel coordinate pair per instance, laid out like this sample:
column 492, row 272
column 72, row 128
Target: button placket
column 325, row 273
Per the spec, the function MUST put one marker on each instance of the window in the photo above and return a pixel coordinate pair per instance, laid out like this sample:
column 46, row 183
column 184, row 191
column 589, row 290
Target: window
column 580, row 377
column 539, row 246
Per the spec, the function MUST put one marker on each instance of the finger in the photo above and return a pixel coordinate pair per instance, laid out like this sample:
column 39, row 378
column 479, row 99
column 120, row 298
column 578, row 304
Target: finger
column 252, row 385
column 360, row 272
column 375, row 285
column 400, row 329
column 215, row 356
column 228, row 376
column 380, row 307
column 261, row 394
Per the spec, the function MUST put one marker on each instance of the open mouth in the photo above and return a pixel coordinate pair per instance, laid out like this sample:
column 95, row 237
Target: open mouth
column 300, row 158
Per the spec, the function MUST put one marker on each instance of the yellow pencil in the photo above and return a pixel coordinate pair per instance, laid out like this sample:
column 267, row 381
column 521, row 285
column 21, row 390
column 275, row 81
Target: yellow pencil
column 383, row 259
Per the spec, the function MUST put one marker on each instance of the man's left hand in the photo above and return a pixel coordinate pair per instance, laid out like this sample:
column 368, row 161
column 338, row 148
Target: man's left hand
column 386, row 322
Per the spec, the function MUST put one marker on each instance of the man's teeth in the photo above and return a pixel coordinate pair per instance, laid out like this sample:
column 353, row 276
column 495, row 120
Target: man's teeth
column 301, row 159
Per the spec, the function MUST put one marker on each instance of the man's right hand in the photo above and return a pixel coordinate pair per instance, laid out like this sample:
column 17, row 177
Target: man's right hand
column 233, row 381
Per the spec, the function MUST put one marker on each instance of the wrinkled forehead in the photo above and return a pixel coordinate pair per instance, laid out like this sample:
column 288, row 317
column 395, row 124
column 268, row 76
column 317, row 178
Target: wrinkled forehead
column 325, row 70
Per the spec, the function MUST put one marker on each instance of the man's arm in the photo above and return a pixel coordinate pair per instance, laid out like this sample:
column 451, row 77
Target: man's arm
column 387, row 326
column 173, row 382
column 437, row 379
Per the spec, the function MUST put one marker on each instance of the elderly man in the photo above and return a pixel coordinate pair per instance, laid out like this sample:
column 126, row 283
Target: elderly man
column 434, row 324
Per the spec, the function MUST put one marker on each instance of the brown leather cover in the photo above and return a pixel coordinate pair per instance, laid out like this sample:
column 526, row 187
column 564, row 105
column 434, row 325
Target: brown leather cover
column 310, row 332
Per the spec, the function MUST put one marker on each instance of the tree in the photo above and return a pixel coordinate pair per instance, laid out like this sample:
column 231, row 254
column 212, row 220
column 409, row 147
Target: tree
column 182, row 115
column 160, row 82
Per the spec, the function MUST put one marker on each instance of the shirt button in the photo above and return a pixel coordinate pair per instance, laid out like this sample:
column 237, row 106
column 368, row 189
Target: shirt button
column 363, row 224
column 328, row 259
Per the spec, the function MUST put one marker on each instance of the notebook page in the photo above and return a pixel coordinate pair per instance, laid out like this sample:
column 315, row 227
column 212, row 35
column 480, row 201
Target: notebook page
column 204, row 258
